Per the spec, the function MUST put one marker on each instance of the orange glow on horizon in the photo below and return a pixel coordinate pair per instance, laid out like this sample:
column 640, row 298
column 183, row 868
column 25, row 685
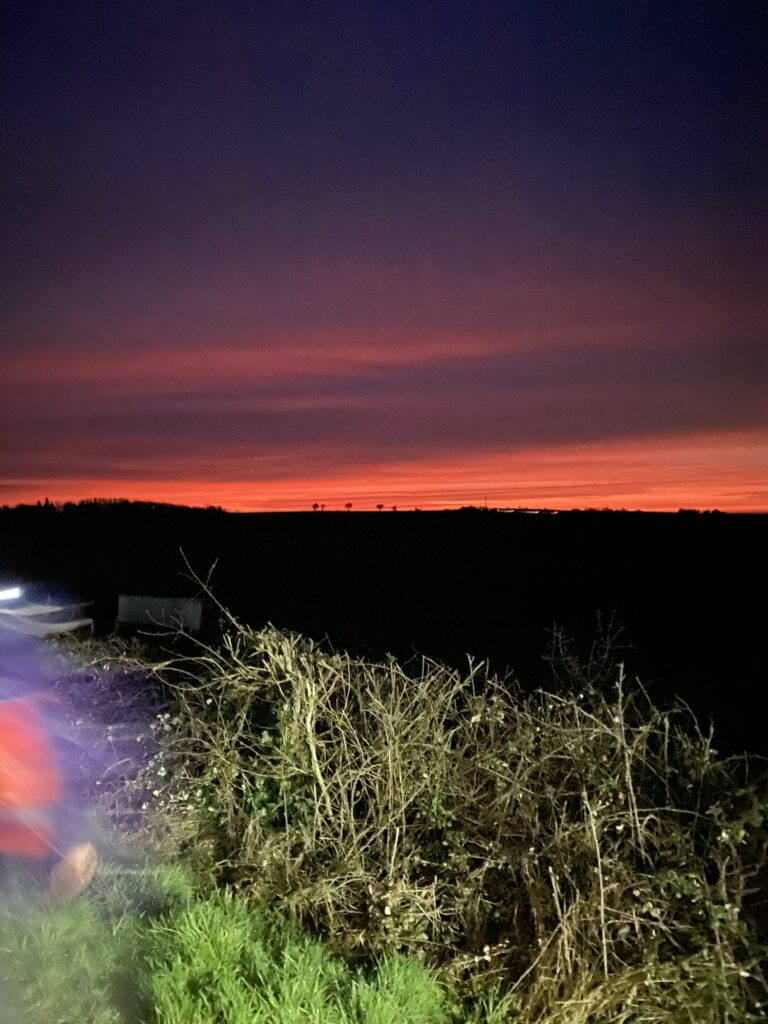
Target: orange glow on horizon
column 725, row 472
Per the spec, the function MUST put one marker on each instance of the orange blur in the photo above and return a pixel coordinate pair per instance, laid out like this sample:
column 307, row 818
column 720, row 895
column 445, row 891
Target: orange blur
column 29, row 781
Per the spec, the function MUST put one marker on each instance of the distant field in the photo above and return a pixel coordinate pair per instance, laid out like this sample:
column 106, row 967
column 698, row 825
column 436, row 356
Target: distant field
column 446, row 584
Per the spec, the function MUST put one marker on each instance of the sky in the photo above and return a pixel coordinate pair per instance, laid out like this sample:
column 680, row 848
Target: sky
column 266, row 254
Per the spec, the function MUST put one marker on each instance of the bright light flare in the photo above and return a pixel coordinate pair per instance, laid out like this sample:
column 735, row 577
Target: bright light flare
column 10, row 594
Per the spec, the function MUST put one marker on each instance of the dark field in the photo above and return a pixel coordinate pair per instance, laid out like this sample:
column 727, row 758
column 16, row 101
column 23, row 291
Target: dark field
column 688, row 589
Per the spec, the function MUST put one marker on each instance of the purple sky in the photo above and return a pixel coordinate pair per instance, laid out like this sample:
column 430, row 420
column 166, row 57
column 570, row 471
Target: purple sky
column 262, row 254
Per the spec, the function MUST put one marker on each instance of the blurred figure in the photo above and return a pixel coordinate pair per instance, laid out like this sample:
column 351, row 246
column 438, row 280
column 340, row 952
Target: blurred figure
column 42, row 817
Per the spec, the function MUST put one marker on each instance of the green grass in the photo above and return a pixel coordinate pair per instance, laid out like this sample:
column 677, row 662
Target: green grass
column 147, row 947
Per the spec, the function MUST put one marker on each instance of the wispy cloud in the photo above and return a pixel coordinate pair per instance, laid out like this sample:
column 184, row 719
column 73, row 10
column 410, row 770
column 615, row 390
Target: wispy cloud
column 214, row 398
column 713, row 471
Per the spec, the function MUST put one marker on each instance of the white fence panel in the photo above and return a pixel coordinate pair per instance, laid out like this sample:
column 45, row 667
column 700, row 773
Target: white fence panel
column 169, row 612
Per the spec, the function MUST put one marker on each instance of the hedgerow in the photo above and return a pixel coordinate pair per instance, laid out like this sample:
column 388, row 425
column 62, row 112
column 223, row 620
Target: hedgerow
column 582, row 854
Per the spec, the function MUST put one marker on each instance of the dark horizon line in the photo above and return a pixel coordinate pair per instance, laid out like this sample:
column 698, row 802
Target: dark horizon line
column 102, row 504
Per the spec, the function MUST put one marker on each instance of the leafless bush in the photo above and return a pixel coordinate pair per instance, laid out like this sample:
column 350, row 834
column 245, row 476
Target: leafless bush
column 584, row 850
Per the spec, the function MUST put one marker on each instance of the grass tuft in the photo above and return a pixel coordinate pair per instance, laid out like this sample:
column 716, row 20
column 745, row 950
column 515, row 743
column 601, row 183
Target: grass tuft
column 155, row 950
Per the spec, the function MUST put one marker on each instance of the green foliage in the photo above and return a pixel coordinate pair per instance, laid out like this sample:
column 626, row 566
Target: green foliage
column 400, row 993
column 66, row 966
column 146, row 949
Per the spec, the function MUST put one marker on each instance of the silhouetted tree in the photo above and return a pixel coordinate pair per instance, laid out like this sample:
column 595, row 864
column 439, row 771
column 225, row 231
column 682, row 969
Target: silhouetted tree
column 315, row 507
column 380, row 508
column 348, row 506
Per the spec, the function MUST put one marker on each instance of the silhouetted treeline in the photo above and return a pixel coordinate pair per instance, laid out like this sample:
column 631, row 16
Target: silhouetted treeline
column 106, row 504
